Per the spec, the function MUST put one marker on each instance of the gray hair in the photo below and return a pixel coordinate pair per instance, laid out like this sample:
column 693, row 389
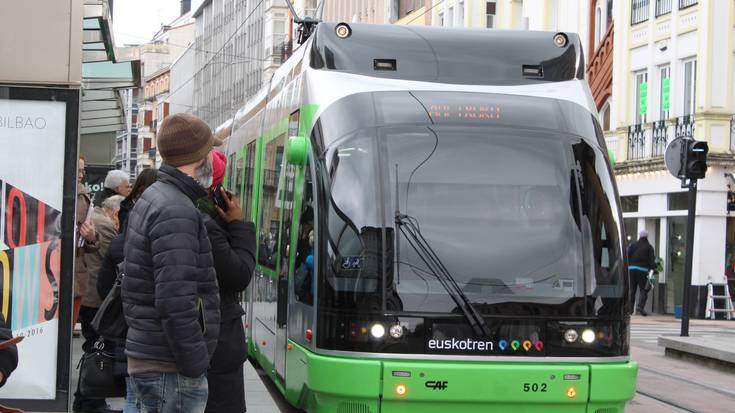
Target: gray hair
column 116, row 178
column 113, row 203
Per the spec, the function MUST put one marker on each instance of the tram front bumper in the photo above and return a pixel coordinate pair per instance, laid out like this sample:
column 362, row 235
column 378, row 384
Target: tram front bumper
column 507, row 387
column 328, row 384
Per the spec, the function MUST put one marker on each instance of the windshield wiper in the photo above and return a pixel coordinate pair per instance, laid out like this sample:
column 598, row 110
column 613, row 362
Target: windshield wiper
column 408, row 226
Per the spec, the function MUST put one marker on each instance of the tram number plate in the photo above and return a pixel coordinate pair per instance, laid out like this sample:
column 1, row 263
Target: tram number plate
column 534, row 387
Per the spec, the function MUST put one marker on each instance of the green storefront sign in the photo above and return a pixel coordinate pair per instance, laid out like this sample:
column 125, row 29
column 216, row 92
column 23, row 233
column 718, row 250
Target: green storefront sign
column 665, row 88
column 643, row 98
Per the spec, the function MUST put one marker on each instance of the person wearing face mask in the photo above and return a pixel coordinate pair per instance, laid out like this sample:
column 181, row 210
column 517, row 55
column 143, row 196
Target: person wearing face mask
column 169, row 289
column 233, row 250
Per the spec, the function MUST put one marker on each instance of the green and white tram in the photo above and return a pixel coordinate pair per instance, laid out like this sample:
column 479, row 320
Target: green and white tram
column 439, row 227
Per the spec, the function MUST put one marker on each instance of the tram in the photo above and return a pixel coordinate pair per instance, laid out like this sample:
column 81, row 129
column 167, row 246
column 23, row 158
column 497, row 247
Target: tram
column 438, row 225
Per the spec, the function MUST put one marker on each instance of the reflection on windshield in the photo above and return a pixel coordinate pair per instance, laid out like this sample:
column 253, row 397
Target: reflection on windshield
column 518, row 216
column 495, row 206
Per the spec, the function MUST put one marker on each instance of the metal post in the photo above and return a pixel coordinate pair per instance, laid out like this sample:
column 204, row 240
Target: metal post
column 690, row 257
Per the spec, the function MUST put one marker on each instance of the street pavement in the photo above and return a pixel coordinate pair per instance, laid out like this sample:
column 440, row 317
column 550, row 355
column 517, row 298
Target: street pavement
column 671, row 385
column 261, row 396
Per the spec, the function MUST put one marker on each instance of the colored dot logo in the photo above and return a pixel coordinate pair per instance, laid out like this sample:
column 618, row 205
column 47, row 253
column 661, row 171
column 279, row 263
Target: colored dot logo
column 516, row 345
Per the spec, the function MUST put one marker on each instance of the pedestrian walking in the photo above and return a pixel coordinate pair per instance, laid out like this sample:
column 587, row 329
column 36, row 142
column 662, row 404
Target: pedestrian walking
column 641, row 261
column 233, row 250
column 106, row 227
column 117, row 182
column 169, row 291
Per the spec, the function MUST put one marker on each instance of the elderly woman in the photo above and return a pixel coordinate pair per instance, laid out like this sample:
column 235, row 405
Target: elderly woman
column 117, row 182
column 106, row 226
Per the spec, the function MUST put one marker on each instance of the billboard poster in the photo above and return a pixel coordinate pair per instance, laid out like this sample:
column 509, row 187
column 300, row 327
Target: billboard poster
column 37, row 164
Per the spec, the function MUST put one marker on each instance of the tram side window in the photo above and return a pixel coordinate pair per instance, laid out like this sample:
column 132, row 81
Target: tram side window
column 304, row 268
column 270, row 202
column 247, row 206
column 605, row 240
column 231, row 173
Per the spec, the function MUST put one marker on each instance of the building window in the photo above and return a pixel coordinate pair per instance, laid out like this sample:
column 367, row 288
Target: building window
column 663, row 7
column 629, row 203
column 450, row 17
column 639, row 11
column 598, row 26
column 605, row 116
column 490, row 7
column 683, row 4
column 664, row 92
column 690, row 86
column 641, row 96
column 678, row 201
column 460, row 12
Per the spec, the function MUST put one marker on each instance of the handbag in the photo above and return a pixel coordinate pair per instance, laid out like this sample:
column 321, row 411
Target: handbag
column 109, row 322
column 96, row 375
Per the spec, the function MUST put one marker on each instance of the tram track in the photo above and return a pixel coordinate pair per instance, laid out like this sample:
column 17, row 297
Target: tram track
column 676, row 406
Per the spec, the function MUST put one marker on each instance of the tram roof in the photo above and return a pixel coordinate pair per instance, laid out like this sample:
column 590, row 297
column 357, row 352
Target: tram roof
column 448, row 55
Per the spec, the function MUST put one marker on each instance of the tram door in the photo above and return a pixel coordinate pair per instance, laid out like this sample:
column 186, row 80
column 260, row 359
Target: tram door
column 286, row 196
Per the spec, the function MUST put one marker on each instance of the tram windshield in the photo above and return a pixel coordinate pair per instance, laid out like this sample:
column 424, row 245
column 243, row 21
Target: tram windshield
column 512, row 214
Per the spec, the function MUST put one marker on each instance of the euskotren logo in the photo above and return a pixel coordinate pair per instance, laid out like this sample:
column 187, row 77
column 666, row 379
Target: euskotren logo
column 469, row 344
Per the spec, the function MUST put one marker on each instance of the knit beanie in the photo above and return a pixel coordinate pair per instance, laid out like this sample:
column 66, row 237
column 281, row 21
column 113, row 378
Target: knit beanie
column 219, row 164
column 184, row 139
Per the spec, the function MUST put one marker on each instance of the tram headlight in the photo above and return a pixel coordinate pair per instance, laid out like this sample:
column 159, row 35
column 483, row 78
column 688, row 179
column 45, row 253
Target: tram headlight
column 377, row 330
column 396, row 331
column 588, row 336
column 561, row 39
column 571, row 335
column 343, row 30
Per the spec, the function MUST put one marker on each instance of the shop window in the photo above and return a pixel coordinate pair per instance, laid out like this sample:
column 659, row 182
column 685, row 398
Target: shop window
column 629, row 203
column 679, row 201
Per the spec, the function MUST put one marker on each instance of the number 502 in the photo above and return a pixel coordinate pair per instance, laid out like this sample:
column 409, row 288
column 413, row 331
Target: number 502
column 534, row 387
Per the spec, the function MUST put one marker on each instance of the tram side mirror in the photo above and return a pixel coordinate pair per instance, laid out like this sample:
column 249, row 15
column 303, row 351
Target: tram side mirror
column 296, row 150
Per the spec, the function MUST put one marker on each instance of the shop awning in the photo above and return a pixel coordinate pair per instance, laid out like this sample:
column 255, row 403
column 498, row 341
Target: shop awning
column 102, row 74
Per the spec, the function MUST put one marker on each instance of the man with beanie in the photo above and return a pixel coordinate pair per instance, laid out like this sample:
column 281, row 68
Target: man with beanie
column 169, row 290
column 641, row 260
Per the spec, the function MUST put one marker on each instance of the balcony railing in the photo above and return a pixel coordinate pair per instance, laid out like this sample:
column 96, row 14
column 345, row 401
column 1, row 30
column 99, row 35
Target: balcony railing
column 639, row 11
column 683, row 4
column 660, row 138
column 685, row 127
column 663, row 7
column 636, row 143
column 645, row 142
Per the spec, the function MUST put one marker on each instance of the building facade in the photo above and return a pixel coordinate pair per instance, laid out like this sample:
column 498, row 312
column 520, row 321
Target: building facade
column 674, row 65
column 137, row 136
column 239, row 45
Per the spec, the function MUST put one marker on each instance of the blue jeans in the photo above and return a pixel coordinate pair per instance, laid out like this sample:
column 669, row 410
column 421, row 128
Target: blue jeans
column 169, row 393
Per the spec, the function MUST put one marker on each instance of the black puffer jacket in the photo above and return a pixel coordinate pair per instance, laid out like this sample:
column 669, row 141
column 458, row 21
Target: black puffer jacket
column 233, row 249
column 170, row 294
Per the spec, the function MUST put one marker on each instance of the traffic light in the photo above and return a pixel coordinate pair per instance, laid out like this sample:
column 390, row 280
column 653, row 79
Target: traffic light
column 696, row 159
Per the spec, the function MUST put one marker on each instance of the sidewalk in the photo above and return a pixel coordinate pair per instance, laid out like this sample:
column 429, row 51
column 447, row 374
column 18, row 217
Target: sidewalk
column 711, row 342
column 259, row 396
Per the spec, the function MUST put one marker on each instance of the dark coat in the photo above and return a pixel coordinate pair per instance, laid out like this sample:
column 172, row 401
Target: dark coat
column 233, row 250
column 640, row 254
column 105, row 280
column 8, row 356
column 169, row 292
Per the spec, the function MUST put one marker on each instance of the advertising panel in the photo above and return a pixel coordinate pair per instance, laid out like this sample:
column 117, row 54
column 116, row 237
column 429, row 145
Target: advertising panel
column 38, row 130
